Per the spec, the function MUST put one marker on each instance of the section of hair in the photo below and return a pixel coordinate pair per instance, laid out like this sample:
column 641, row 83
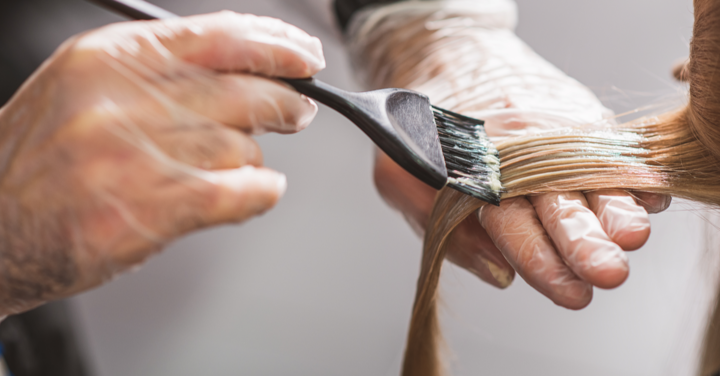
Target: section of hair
column 659, row 154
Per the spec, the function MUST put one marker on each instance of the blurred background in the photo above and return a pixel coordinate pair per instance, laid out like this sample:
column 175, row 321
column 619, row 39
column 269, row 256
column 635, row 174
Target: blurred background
column 323, row 284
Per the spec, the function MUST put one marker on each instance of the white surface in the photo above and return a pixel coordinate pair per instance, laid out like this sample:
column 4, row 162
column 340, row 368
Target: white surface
column 323, row 285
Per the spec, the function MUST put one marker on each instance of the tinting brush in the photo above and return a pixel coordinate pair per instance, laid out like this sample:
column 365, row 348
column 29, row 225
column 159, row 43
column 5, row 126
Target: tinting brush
column 437, row 146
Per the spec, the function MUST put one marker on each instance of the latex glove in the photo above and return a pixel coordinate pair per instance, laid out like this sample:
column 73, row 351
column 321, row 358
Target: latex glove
column 562, row 244
column 136, row 133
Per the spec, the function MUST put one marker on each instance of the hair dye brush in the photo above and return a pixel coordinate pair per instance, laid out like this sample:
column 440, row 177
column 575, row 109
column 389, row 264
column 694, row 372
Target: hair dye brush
column 437, row 146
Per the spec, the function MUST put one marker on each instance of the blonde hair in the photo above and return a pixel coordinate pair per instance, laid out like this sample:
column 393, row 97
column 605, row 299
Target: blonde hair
column 676, row 153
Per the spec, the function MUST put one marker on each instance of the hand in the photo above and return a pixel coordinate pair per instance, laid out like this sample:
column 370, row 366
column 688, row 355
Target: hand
column 562, row 244
column 136, row 133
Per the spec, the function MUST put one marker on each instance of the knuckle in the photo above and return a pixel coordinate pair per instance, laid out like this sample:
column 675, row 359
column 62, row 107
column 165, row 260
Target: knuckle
column 79, row 52
column 233, row 18
column 88, row 50
column 222, row 17
column 252, row 153
column 227, row 14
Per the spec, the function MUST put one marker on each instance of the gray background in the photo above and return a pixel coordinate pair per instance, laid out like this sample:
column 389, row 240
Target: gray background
column 323, row 284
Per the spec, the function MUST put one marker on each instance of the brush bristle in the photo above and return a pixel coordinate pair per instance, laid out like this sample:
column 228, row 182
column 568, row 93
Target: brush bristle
column 472, row 161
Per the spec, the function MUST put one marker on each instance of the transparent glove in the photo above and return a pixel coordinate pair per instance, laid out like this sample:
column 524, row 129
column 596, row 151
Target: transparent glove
column 562, row 244
column 136, row 133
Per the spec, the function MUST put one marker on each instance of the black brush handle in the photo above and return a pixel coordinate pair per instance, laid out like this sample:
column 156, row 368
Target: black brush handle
column 136, row 9
column 366, row 110
column 339, row 100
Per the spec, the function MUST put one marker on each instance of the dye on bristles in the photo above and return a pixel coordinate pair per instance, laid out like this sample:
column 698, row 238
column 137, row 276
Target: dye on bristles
column 472, row 161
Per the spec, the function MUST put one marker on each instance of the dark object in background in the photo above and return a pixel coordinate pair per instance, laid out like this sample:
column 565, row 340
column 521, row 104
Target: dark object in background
column 42, row 342
column 16, row 61
column 345, row 9
column 24, row 45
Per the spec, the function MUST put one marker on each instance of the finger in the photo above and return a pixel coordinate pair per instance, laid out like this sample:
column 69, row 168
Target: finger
column 209, row 146
column 518, row 233
column 246, row 102
column 471, row 248
column 580, row 238
column 652, row 202
column 229, row 41
column 178, row 204
column 519, row 122
column 622, row 219
column 184, row 136
column 244, row 193
column 233, row 196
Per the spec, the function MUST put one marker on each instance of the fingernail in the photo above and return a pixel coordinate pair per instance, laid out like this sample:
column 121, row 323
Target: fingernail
column 503, row 277
column 662, row 205
column 308, row 114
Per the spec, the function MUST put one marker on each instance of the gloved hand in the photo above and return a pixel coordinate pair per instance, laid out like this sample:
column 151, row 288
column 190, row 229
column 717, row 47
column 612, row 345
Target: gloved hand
column 562, row 244
column 136, row 133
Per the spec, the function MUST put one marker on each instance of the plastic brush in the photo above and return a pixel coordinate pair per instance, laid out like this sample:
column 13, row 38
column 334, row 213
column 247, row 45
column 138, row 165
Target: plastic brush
column 437, row 146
